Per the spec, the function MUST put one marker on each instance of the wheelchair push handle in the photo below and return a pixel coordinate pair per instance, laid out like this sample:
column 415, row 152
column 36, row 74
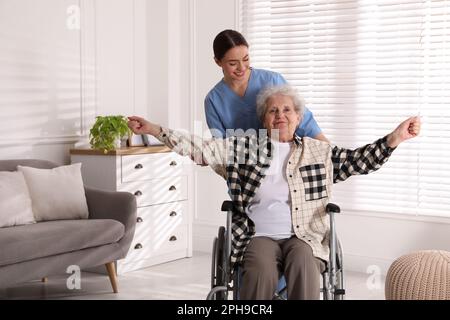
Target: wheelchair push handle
column 331, row 207
column 227, row 206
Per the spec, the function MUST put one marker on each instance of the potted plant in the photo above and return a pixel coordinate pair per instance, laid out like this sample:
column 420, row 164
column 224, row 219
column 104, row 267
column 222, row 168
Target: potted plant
column 107, row 132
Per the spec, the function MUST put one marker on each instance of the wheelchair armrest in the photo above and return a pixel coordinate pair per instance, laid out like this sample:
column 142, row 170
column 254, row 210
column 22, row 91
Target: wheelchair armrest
column 331, row 207
column 227, row 206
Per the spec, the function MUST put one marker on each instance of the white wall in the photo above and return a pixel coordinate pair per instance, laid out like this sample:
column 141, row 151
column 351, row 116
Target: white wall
column 56, row 77
column 169, row 54
column 378, row 239
column 40, row 75
column 158, row 60
column 121, row 56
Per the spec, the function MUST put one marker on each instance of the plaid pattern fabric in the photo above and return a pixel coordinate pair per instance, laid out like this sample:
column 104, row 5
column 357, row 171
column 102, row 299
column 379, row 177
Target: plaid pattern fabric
column 312, row 169
column 314, row 178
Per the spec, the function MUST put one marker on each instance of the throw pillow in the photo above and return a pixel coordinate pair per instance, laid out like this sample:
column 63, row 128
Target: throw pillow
column 56, row 194
column 15, row 201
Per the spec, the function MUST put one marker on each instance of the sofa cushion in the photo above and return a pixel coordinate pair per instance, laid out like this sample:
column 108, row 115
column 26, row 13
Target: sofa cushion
column 56, row 194
column 15, row 201
column 43, row 239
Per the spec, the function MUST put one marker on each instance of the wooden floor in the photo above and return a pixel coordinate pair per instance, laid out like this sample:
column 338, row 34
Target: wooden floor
column 185, row 279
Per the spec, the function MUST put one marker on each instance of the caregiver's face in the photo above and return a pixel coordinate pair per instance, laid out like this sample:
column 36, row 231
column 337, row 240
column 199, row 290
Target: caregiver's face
column 280, row 114
column 236, row 63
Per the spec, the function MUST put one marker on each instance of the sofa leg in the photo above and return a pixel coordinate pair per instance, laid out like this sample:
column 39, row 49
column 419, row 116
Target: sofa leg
column 112, row 275
column 45, row 279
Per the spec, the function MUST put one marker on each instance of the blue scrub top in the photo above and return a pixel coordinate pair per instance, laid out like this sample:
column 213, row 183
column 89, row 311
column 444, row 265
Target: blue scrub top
column 224, row 109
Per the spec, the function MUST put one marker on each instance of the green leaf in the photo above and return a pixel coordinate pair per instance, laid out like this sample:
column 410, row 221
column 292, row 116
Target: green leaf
column 106, row 130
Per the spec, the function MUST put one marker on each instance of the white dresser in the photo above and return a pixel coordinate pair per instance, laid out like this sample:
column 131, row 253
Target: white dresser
column 160, row 181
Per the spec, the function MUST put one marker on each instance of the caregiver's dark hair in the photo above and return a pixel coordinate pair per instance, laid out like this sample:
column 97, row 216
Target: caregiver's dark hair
column 227, row 40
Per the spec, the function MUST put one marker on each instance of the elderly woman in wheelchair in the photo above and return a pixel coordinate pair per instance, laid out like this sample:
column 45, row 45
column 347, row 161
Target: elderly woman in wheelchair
column 279, row 186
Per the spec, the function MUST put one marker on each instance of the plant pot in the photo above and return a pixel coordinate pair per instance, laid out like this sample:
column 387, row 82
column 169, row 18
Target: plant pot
column 118, row 143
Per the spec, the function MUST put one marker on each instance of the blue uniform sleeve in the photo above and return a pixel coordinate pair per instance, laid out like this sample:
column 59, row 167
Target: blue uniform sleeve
column 309, row 126
column 215, row 125
column 278, row 79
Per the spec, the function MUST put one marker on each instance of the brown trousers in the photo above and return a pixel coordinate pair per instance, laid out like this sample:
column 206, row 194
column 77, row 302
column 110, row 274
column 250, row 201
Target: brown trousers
column 265, row 260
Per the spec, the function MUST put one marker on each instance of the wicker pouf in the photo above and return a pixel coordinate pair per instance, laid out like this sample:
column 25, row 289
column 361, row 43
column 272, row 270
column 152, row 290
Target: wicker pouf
column 422, row 275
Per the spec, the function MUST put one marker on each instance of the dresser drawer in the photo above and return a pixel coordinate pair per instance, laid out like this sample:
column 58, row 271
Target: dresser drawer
column 155, row 223
column 162, row 241
column 151, row 166
column 157, row 191
column 162, row 216
column 167, row 241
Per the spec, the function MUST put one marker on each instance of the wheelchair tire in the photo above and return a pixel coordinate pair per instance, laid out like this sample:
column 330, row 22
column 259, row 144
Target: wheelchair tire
column 220, row 263
column 339, row 258
column 213, row 263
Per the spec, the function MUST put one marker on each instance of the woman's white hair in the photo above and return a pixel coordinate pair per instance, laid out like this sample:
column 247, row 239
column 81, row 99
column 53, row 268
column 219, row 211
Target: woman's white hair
column 284, row 90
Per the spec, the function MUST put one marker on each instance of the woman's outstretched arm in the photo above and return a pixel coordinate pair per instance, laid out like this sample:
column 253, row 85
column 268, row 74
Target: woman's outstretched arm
column 372, row 156
column 210, row 152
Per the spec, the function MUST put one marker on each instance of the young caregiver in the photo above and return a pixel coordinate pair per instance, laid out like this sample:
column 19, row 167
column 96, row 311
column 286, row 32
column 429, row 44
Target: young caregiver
column 231, row 104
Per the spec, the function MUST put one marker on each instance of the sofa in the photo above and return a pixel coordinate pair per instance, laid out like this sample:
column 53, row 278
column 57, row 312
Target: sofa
column 36, row 251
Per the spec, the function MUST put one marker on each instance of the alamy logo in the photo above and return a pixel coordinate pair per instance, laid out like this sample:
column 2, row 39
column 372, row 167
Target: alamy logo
column 74, row 280
column 240, row 147
column 73, row 18
column 374, row 280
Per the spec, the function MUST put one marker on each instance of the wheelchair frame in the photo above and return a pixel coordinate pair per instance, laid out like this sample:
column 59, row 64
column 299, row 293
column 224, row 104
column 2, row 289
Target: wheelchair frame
column 222, row 282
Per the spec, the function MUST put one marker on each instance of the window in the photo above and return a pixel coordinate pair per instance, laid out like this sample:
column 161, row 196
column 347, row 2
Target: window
column 363, row 67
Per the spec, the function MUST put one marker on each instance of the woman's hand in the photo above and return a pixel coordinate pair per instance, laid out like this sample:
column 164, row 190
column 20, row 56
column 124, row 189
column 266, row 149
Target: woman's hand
column 141, row 126
column 408, row 129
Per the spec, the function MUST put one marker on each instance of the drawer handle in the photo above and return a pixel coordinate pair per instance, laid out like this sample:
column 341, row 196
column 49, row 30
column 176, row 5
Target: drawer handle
column 139, row 166
column 172, row 188
column 138, row 246
column 173, row 214
column 173, row 238
column 139, row 220
column 173, row 163
column 138, row 193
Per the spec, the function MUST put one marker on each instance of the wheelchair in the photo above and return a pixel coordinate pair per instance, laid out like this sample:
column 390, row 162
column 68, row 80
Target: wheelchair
column 225, row 281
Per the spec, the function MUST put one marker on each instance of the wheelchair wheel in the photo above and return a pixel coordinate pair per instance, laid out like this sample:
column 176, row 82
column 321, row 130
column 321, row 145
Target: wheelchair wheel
column 339, row 258
column 218, row 275
column 236, row 283
column 213, row 263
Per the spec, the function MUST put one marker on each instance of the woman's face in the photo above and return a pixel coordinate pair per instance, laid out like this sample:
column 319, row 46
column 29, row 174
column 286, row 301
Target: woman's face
column 235, row 64
column 280, row 114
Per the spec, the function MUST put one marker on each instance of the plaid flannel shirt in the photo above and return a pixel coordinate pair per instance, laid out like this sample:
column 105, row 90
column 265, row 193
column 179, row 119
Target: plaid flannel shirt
column 312, row 169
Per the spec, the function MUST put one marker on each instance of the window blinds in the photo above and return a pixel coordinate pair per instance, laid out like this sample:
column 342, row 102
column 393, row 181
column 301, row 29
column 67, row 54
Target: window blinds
column 363, row 67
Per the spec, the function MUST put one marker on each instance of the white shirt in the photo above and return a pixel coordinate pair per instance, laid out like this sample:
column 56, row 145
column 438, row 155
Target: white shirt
column 270, row 208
